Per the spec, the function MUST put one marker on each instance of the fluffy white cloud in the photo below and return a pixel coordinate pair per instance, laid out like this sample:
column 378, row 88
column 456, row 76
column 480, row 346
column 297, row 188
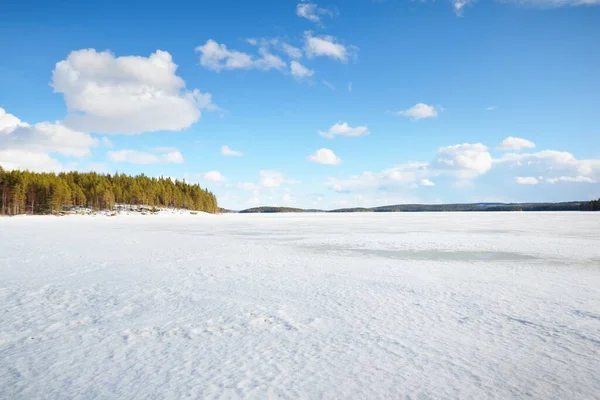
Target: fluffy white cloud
column 9, row 122
column 268, row 61
column 418, row 111
column 463, row 161
column 325, row 46
column 291, row 51
column 140, row 157
column 276, row 44
column 550, row 161
column 467, row 160
column 25, row 146
column 527, row 180
column 343, row 129
column 218, row 57
column 490, row 108
column 47, row 137
column 312, row 12
column 214, row 176
column 571, row 179
column 228, row 151
column 38, row 162
column 299, row 71
column 128, row 95
column 401, row 175
column 325, row 156
column 515, row 143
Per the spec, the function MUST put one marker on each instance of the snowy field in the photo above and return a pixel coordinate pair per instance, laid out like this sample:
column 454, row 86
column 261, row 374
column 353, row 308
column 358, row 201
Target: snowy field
column 367, row 306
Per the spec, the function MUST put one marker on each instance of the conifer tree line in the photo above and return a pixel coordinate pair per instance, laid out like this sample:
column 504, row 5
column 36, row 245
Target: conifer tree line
column 25, row 192
column 593, row 205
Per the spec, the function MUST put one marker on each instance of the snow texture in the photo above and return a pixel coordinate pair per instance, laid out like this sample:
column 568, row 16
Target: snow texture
column 366, row 306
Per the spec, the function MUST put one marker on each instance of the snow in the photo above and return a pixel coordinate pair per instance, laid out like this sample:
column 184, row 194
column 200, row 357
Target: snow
column 423, row 305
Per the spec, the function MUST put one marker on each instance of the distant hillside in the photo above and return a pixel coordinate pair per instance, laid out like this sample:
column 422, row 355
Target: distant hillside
column 256, row 210
column 474, row 207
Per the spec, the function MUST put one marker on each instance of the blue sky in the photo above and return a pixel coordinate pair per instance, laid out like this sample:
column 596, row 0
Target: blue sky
column 311, row 104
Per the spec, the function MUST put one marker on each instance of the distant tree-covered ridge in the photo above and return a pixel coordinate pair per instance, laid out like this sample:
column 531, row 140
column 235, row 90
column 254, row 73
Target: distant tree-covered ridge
column 258, row 210
column 24, row 192
column 593, row 205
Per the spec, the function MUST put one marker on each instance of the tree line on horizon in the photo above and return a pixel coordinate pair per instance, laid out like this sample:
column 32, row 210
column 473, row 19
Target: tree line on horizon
column 25, row 192
column 593, row 205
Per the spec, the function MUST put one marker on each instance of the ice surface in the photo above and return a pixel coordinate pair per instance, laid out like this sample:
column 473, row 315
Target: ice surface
column 424, row 305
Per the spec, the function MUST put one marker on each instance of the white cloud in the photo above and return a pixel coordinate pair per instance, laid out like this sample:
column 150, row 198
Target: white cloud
column 571, row 179
column 128, row 95
column 467, row 160
column 268, row 61
column 418, row 111
column 24, row 146
column 268, row 181
column 214, row 176
column 527, row 180
column 48, row 137
column 325, row 156
column 551, row 161
column 277, row 44
column 459, row 5
column 515, row 143
column 141, row 157
column 312, row 12
column 291, row 51
column 401, row 175
column 271, row 179
column 490, row 108
column 9, row 122
column 343, row 129
column 555, row 3
column 326, row 46
column 228, row 151
column 33, row 161
column 427, row 182
column 349, row 87
column 217, row 57
column 299, row 71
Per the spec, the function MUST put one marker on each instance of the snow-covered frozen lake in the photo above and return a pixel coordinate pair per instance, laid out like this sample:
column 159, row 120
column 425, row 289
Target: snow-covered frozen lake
column 424, row 305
